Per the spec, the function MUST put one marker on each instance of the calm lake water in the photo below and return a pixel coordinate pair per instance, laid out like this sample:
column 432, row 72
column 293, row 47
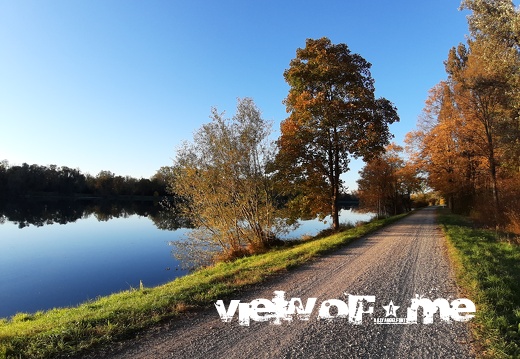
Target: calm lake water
column 48, row 264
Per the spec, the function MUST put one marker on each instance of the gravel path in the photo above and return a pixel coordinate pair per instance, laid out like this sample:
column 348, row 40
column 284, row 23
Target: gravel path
column 393, row 264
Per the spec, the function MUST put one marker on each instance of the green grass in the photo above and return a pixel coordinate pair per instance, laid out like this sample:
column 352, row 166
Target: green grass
column 488, row 269
column 69, row 331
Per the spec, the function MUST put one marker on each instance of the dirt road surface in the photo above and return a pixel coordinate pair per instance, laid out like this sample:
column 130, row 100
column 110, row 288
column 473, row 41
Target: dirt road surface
column 393, row 264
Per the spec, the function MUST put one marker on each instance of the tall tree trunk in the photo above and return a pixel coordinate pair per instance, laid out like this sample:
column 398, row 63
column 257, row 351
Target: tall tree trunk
column 493, row 172
column 334, row 172
column 335, row 208
column 494, row 188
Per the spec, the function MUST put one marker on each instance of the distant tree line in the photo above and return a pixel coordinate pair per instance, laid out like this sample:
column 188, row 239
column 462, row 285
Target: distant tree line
column 35, row 180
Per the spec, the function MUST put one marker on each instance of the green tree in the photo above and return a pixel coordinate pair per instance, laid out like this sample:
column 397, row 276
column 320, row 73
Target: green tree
column 334, row 116
column 221, row 177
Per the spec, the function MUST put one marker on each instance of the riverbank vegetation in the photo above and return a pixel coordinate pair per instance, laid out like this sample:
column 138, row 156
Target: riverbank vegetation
column 69, row 331
column 241, row 191
column 488, row 269
column 227, row 193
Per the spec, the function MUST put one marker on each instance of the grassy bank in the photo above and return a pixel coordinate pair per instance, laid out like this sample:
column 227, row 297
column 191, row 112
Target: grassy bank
column 61, row 332
column 488, row 269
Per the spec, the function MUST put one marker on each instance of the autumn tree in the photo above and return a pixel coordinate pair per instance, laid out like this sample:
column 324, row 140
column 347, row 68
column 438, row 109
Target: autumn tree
column 444, row 151
column 471, row 141
column 480, row 94
column 221, row 176
column 495, row 44
column 495, row 22
column 484, row 77
column 386, row 183
column 333, row 116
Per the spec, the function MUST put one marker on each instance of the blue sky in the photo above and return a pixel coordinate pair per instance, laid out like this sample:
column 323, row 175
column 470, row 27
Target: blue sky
column 118, row 85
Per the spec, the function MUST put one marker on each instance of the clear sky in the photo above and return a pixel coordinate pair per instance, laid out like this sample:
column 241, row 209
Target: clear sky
column 118, row 85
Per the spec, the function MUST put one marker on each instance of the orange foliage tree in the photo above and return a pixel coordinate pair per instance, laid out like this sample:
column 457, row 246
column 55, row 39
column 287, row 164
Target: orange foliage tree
column 333, row 115
column 386, row 183
column 470, row 134
column 444, row 151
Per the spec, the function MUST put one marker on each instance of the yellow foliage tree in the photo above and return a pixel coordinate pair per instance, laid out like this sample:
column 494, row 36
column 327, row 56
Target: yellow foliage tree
column 221, row 176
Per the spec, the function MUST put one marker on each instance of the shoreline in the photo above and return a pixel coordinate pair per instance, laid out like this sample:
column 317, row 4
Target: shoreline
column 108, row 319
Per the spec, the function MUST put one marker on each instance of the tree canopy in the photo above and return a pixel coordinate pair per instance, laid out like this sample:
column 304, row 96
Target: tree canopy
column 333, row 116
column 221, row 176
column 469, row 136
column 387, row 182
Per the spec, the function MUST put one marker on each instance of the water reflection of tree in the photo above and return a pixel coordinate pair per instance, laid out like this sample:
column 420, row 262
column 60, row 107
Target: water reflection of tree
column 169, row 221
column 39, row 213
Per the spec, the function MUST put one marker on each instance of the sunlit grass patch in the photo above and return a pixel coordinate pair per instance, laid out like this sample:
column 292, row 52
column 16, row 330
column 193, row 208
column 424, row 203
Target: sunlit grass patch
column 489, row 271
